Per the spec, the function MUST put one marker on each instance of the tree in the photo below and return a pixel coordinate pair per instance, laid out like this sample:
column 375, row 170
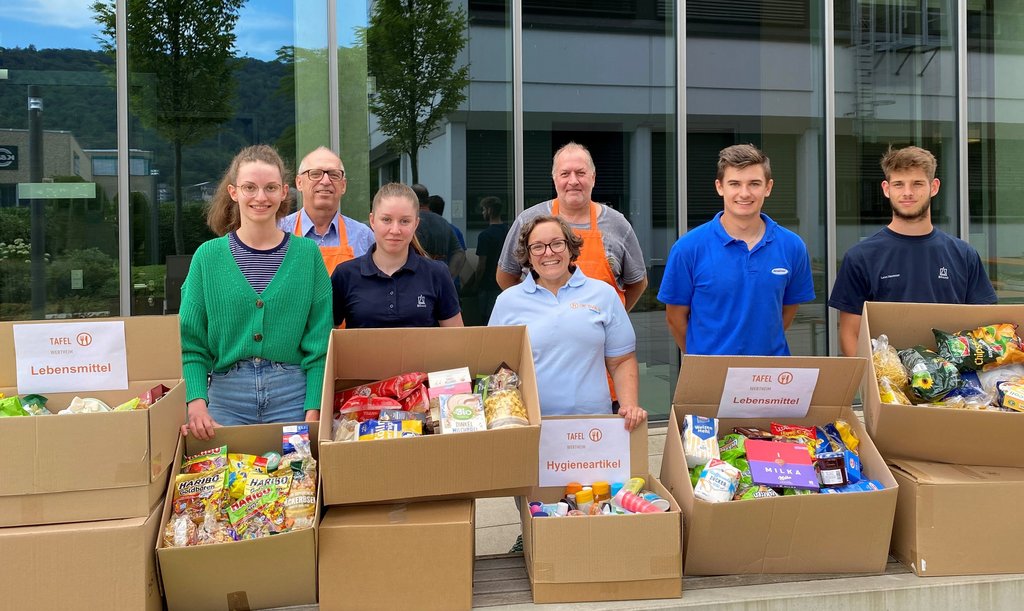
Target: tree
column 181, row 59
column 412, row 47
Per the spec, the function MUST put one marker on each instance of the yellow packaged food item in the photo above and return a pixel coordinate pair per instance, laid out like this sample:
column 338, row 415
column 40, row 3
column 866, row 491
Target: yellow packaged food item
column 240, row 468
column 888, row 366
column 197, row 493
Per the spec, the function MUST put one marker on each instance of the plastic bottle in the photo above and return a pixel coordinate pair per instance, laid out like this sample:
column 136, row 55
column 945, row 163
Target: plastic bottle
column 573, row 487
column 635, row 485
column 570, row 500
column 584, row 499
column 615, row 487
column 631, row 502
column 601, row 492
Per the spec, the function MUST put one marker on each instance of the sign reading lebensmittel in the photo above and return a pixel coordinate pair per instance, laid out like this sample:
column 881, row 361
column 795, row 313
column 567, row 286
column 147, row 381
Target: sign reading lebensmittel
column 70, row 357
column 767, row 392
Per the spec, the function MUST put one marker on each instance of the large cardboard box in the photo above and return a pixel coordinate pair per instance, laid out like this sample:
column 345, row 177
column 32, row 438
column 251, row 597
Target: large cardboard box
column 94, row 466
column 275, row 571
column 606, row 557
column 499, row 462
column 958, row 520
column 398, row 556
column 87, row 565
column 817, row 533
column 936, row 434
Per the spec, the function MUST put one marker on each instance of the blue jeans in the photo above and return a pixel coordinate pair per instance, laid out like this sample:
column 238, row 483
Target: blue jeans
column 258, row 391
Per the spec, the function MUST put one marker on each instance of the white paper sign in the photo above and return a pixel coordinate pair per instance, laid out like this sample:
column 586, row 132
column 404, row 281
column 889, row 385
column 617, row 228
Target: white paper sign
column 768, row 392
column 70, row 357
column 583, row 450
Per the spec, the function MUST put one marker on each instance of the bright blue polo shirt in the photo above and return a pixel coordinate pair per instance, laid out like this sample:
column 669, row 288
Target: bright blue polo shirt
column 736, row 294
column 571, row 334
column 419, row 294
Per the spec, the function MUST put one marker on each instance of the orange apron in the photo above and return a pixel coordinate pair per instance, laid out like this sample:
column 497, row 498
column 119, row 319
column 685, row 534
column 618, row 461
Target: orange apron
column 593, row 261
column 333, row 255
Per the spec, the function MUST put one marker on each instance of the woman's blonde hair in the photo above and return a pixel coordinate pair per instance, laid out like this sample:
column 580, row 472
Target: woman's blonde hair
column 397, row 189
column 222, row 216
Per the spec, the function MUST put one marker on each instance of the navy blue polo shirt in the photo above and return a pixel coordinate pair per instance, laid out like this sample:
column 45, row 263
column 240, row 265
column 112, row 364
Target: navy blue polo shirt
column 419, row 294
column 736, row 294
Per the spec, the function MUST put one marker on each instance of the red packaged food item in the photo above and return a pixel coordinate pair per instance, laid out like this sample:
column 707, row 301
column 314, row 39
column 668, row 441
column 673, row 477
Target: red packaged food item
column 417, row 401
column 367, row 408
column 396, row 387
column 791, row 430
column 152, row 395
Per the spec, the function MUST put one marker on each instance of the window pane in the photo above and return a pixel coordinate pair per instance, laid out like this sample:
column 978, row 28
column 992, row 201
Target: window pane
column 192, row 107
column 602, row 74
column 467, row 153
column 995, row 143
column 757, row 76
column 58, row 217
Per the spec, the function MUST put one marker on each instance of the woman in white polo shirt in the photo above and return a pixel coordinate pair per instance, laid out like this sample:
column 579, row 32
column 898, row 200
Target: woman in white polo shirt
column 578, row 327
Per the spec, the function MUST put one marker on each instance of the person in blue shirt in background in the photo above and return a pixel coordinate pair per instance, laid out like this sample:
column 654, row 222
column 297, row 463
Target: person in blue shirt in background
column 578, row 326
column 733, row 285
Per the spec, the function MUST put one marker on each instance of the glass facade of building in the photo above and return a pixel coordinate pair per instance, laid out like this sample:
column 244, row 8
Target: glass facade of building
column 118, row 118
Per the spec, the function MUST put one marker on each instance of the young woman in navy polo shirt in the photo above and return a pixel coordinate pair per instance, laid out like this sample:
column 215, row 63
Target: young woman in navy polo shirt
column 395, row 284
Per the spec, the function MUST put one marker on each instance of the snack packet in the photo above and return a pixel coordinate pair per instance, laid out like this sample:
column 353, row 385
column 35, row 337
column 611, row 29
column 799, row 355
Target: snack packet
column 931, row 376
column 256, row 515
column 965, row 351
column 242, row 467
column 197, row 493
column 11, row 407
column 732, row 446
column 503, row 401
column 207, row 460
column 87, row 405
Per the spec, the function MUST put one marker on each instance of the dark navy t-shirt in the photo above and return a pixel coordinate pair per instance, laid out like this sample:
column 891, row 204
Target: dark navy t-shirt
column 888, row 266
column 420, row 294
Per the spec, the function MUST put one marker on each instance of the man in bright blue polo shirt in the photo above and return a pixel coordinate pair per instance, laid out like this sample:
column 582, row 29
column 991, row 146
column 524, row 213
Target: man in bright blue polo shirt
column 733, row 285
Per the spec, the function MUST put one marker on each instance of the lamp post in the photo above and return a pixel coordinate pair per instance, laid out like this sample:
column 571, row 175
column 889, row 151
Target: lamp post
column 35, row 176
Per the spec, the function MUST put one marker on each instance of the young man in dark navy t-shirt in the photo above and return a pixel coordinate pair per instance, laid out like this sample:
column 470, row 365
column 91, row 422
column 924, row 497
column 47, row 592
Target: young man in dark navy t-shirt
column 909, row 260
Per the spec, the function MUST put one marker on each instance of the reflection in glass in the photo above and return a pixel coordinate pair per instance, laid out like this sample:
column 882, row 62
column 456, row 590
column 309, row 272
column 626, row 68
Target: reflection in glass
column 58, row 213
column 995, row 143
column 757, row 77
column 603, row 75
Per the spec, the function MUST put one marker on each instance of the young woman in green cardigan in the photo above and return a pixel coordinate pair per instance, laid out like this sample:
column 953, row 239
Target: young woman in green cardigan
column 255, row 307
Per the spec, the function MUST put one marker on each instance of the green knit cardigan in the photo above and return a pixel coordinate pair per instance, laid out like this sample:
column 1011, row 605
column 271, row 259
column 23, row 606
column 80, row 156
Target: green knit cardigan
column 223, row 320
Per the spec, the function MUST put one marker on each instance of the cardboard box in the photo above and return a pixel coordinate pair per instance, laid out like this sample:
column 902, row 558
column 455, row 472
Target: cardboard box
column 275, row 571
column 84, row 467
column 936, row 434
column 958, row 520
column 815, row 533
column 368, row 554
column 613, row 557
column 500, row 462
column 87, row 565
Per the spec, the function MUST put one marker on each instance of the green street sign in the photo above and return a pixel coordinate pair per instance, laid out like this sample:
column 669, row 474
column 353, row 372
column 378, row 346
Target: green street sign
column 57, row 190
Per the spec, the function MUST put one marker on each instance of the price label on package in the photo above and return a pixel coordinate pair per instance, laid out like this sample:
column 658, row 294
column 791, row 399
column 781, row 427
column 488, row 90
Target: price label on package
column 767, row 392
column 70, row 357
column 583, row 450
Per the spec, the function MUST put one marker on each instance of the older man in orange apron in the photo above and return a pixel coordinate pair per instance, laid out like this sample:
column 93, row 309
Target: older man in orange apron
column 321, row 180
column 611, row 251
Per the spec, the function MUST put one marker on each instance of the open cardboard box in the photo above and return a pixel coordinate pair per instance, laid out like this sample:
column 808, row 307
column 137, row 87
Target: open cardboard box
column 954, row 520
column 500, row 462
column 362, row 545
column 606, row 557
column 86, row 565
column 81, row 467
column 936, row 434
column 274, row 571
column 815, row 533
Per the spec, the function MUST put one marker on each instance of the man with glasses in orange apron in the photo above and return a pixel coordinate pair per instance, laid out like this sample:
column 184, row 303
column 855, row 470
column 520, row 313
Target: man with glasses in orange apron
column 610, row 253
column 321, row 180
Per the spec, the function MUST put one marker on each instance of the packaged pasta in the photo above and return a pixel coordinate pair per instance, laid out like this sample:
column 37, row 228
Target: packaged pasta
column 892, row 376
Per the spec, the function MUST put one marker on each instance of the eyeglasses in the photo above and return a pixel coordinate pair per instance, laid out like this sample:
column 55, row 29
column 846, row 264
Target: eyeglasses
column 250, row 190
column 538, row 248
column 316, row 174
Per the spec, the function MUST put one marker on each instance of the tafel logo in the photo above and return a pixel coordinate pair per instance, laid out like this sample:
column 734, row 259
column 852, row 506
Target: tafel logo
column 595, row 435
column 785, row 377
column 84, row 339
